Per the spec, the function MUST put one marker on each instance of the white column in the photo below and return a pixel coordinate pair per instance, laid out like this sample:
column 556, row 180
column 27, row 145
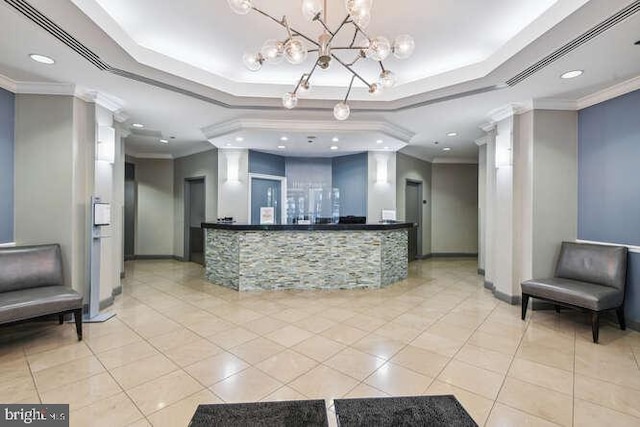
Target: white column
column 233, row 184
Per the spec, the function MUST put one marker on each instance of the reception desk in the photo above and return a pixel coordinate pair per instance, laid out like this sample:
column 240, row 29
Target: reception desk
column 323, row 256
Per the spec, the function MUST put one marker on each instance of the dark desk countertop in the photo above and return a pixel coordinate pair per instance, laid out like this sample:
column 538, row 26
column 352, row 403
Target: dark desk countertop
column 310, row 227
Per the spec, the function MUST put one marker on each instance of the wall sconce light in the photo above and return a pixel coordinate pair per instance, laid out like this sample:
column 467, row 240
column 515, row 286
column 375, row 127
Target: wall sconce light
column 382, row 171
column 233, row 167
column 106, row 146
column 504, row 150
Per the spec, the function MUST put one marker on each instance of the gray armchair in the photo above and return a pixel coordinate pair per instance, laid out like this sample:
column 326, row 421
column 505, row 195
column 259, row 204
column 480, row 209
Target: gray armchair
column 587, row 277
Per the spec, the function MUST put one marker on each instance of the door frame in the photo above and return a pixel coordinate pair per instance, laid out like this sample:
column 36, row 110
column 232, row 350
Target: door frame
column 186, row 201
column 283, row 193
column 420, row 210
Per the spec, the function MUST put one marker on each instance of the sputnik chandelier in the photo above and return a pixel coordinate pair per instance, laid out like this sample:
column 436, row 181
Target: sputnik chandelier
column 294, row 49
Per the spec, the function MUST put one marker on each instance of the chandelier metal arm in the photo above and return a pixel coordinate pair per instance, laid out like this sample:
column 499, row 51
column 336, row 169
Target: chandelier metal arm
column 321, row 21
column 350, row 86
column 356, row 59
column 342, row 24
column 348, row 67
column 355, row 35
column 283, row 24
column 347, row 48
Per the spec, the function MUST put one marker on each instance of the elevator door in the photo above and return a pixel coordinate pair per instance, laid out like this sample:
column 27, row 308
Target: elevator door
column 195, row 215
column 413, row 204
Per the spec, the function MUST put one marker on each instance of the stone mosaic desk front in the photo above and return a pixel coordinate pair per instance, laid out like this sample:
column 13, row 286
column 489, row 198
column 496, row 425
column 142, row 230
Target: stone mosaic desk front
column 336, row 256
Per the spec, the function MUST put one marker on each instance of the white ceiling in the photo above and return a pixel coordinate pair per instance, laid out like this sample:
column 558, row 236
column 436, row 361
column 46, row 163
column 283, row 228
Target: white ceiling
column 609, row 59
column 205, row 41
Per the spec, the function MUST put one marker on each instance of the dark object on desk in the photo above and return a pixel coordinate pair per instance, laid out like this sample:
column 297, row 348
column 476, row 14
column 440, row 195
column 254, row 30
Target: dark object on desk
column 311, row 413
column 32, row 285
column 322, row 220
column 436, row 411
column 588, row 277
column 353, row 219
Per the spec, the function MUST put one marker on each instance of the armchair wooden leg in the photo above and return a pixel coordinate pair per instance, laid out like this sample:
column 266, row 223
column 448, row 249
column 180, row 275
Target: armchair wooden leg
column 595, row 325
column 557, row 307
column 525, row 303
column 620, row 313
column 77, row 316
column 60, row 319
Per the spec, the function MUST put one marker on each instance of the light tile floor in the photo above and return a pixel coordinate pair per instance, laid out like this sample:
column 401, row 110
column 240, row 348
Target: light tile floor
column 178, row 341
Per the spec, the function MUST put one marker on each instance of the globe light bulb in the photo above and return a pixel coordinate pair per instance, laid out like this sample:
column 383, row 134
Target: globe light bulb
column 290, row 100
column 304, row 87
column 272, row 51
column 294, row 51
column 387, row 79
column 253, row 61
column 403, row 46
column 379, row 49
column 341, row 111
column 311, row 9
column 353, row 6
column 241, row 7
column 375, row 89
column 361, row 17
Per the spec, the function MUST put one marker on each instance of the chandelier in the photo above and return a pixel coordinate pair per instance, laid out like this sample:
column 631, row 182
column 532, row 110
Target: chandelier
column 296, row 46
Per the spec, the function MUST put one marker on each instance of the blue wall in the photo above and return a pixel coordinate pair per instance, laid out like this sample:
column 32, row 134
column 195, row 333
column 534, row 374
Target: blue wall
column 7, row 112
column 266, row 164
column 609, row 182
column 349, row 174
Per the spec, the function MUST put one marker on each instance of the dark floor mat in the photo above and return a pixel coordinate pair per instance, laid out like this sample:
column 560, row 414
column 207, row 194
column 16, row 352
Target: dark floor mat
column 310, row 413
column 433, row 411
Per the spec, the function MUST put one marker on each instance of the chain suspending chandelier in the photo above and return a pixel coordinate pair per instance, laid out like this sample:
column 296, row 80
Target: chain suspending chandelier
column 294, row 49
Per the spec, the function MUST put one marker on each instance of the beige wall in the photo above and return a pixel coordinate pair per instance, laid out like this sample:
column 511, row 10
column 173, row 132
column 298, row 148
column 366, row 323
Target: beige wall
column 54, row 150
column 410, row 168
column 454, row 211
column 555, row 207
column 201, row 165
column 154, row 213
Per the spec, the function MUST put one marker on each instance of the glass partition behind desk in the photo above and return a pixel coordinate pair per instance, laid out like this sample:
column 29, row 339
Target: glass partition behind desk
column 312, row 203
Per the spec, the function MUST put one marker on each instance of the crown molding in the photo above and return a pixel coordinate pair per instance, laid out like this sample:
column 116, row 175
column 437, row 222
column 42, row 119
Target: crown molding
column 48, row 88
column 240, row 124
column 551, row 104
column 482, row 141
column 455, row 160
column 158, row 156
column 609, row 93
column 8, row 84
column 488, row 126
column 195, row 150
column 506, row 111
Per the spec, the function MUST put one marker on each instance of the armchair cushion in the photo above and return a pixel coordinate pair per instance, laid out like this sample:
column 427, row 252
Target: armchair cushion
column 582, row 294
column 35, row 302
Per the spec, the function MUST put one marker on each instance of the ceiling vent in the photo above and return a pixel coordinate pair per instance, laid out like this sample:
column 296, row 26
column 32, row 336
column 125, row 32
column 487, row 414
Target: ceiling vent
column 612, row 21
column 55, row 30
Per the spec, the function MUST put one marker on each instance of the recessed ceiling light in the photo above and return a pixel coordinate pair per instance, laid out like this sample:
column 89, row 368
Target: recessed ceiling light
column 282, row 147
column 446, row 149
column 228, row 144
column 452, row 134
column 137, row 125
column 164, row 141
column 284, row 138
column 572, row 74
column 239, row 139
column 335, row 139
column 379, row 141
column 334, row 147
column 386, row 148
column 42, row 59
